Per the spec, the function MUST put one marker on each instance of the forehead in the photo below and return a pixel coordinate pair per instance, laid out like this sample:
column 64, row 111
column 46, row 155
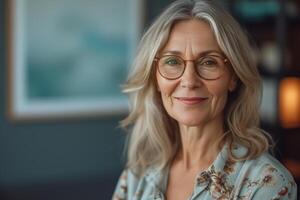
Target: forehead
column 191, row 36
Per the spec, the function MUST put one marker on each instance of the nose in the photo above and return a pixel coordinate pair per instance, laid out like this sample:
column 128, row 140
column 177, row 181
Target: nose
column 190, row 78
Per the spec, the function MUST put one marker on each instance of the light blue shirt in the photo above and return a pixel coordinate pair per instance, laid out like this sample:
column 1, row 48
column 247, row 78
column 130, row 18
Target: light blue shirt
column 263, row 178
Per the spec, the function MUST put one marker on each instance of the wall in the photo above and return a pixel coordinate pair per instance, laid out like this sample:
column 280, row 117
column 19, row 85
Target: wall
column 75, row 158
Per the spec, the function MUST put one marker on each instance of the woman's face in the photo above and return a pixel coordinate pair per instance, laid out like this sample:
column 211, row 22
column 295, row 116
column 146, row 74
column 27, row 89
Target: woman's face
column 190, row 99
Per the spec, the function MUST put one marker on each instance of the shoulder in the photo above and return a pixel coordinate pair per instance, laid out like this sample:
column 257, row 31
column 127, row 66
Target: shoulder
column 125, row 184
column 130, row 185
column 266, row 178
column 121, row 187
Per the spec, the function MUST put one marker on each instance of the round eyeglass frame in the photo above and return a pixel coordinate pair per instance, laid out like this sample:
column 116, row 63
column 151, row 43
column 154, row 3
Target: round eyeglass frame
column 156, row 60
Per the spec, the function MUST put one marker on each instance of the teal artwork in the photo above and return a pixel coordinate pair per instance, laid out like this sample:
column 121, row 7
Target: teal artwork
column 71, row 56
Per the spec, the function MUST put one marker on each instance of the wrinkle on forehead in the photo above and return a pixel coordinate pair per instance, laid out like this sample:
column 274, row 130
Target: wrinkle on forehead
column 191, row 38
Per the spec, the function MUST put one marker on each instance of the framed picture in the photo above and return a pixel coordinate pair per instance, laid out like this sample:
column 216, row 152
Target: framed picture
column 69, row 57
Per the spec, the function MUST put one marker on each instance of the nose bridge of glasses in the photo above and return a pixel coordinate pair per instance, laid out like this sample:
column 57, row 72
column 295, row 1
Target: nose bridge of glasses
column 190, row 77
column 190, row 68
column 190, row 61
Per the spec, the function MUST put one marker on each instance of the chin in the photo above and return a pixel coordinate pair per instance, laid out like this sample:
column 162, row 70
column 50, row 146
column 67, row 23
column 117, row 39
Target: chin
column 190, row 120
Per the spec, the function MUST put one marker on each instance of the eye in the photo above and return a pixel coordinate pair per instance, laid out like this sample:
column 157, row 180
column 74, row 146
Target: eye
column 207, row 62
column 172, row 61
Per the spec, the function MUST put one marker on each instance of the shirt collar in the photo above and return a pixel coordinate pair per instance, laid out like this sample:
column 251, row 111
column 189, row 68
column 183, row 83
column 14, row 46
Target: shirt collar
column 158, row 178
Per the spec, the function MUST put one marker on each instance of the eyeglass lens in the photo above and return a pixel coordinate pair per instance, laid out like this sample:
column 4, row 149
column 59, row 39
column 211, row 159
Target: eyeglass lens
column 208, row 67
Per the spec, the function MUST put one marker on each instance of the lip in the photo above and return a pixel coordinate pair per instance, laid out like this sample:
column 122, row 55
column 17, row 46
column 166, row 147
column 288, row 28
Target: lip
column 191, row 100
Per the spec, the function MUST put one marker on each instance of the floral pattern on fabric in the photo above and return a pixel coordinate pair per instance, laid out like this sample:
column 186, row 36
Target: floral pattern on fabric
column 269, row 178
column 263, row 178
column 122, row 185
column 219, row 187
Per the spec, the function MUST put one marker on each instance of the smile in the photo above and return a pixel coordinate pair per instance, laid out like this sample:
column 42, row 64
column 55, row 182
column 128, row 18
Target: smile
column 191, row 100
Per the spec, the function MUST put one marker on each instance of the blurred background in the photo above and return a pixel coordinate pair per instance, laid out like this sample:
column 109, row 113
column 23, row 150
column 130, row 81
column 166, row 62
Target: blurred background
column 79, row 155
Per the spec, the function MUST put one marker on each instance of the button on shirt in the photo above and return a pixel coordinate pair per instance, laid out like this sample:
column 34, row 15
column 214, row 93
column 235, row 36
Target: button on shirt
column 263, row 178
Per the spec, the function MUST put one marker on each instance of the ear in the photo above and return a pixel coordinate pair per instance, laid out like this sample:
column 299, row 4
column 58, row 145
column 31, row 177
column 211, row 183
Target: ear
column 233, row 83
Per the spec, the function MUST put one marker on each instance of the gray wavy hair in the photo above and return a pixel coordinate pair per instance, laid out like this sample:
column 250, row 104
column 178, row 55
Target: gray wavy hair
column 154, row 136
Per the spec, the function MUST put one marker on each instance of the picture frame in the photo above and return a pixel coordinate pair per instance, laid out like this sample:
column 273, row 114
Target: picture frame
column 69, row 58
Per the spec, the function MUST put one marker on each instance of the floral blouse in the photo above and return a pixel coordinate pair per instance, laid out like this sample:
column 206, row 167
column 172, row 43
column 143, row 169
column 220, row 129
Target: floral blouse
column 263, row 178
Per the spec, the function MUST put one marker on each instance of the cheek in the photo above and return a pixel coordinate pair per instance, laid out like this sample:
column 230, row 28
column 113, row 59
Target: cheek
column 166, row 88
column 219, row 97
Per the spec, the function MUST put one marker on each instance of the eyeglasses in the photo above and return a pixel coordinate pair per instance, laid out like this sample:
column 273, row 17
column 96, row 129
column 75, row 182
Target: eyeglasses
column 209, row 67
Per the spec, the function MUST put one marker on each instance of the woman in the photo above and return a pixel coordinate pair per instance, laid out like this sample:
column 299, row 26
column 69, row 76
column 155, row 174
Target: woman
column 194, row 91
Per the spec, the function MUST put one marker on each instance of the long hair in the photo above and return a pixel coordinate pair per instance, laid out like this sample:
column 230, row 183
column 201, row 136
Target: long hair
column 154, row 136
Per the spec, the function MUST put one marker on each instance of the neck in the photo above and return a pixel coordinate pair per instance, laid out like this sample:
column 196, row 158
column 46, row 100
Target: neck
column 200, row 145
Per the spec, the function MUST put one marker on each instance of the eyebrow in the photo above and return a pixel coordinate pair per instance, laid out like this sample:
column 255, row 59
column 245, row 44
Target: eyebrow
column 204, row 53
